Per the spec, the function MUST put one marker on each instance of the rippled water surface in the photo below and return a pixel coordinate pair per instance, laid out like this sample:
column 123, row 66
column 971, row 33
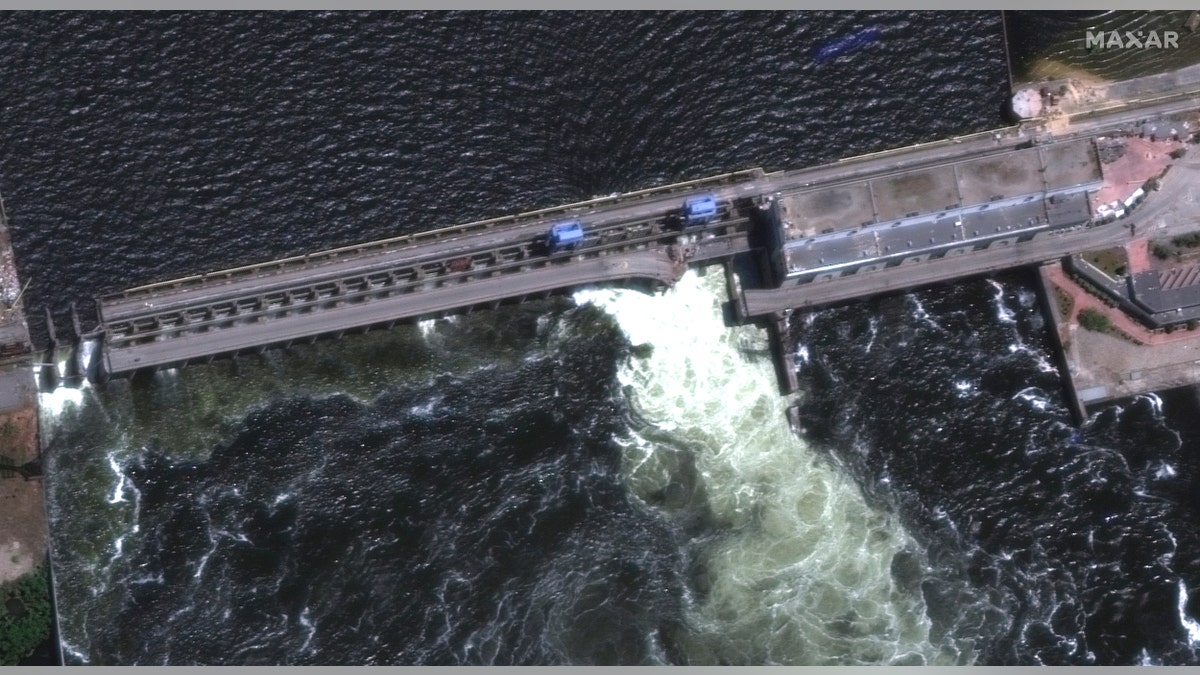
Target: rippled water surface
column 602, row 478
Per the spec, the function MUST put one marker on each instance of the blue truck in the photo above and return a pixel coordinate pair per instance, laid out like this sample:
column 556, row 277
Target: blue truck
column 564, row 236
column 699, row 210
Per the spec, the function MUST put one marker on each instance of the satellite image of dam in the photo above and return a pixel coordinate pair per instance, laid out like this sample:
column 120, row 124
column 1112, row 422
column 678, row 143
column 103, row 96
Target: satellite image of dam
column 596, row 338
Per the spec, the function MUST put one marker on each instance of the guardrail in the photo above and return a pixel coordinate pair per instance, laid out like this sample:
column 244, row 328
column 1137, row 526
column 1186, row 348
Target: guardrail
column 404, row 280
column 429, row 235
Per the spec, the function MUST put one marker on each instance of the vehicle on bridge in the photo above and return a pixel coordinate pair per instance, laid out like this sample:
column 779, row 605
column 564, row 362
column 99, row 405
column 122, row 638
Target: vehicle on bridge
column 699, row 210
column 564, row 236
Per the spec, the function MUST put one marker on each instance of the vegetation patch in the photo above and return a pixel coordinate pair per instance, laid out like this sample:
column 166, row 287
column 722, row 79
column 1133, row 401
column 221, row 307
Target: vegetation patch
column 1111, row 261
column 1066, row 304
column 25, row 616
column 1094, row 320
column 1162, row 251
column 1190, row 240
column 1176, row 247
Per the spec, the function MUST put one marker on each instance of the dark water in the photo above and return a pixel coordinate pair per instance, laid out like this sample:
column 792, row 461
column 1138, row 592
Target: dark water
column 944, row 406
column 1033, row 34
column 141, row 147
column 477, row 519
column 466, row 503
column 1061, row 37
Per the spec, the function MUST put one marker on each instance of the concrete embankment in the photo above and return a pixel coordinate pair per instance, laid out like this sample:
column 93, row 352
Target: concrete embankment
column 24, row 535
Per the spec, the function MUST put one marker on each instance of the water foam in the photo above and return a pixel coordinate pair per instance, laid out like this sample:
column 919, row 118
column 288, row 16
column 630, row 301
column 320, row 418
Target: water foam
column 803, row 574
column 56, row 402
column 1003, row 313
column 1189, row 624
column 118, row 494
column 426, row 326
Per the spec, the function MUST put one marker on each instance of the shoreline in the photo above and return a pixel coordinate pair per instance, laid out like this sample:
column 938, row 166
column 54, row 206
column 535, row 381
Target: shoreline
column 24, row 533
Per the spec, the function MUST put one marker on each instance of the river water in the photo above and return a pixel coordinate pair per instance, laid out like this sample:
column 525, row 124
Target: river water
column 602, row 478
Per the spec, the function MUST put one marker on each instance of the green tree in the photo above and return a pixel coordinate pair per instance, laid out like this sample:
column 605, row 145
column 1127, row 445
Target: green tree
column 25, row 615
column 1094, row 320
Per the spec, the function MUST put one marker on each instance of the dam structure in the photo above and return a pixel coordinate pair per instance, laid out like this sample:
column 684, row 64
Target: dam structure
column 872, row 224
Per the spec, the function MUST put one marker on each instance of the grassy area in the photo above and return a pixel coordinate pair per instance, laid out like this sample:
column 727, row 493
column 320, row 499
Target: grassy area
column 1111, row 261
column 1176, row 247
column 1098, row 322
column 25, row 616
column 1094, row 320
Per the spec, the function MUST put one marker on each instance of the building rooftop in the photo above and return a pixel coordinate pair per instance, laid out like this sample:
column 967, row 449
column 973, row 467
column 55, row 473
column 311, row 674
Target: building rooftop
column 916, row 212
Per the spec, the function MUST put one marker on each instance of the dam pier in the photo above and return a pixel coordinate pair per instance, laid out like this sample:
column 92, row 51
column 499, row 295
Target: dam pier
column 815, row 236
column 1023, row 195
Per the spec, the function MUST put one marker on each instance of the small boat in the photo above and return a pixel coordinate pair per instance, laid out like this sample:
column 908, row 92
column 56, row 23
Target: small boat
column 847, row 43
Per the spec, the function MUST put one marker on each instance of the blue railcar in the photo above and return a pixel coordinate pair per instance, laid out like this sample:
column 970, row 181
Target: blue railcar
column 699, row 210
column 564, row 236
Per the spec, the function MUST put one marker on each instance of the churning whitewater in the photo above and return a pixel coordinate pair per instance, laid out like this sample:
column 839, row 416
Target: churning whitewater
column 798, row 569
column 610, row 480
column 660, row 513
column 1056, row 545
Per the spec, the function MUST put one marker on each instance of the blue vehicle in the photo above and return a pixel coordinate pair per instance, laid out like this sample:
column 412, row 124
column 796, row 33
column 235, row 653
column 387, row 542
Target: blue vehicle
column 699, row 210
column 564, row 236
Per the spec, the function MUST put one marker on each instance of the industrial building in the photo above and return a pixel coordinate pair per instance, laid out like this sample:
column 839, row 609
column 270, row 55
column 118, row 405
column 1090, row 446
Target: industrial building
column 944, row 210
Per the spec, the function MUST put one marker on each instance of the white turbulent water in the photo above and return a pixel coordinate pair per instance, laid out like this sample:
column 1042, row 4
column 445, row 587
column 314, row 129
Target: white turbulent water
column 802, row 575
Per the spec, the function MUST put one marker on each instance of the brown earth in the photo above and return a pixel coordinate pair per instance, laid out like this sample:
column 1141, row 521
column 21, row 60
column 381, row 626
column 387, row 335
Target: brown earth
column 1138, row 251
column 23, row 535
column 1081, row 299
column 1050, row 69
column 1143, row 159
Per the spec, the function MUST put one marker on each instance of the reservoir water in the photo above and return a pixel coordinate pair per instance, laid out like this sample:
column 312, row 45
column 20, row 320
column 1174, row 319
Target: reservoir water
column 606, row 477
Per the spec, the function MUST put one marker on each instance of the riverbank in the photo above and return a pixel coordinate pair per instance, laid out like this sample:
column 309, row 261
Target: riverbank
column 26, row 614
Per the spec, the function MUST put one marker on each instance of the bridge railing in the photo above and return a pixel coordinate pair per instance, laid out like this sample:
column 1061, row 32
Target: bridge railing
column 429, row 235
column 1003, row 132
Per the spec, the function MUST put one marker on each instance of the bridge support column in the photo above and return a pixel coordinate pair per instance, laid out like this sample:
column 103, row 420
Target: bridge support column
column 48, row 373
column 75, row 322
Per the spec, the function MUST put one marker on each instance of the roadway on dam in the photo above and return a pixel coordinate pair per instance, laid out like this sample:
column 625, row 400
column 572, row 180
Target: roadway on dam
column 652, row 265
column 407, row 277
column 630, row 236
column 1170, row 211
column 215, row 286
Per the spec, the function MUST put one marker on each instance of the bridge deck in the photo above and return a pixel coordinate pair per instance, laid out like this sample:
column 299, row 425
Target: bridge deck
column 653, row 265
column 601, row 210
column 477, row 264
column 1048, row 246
